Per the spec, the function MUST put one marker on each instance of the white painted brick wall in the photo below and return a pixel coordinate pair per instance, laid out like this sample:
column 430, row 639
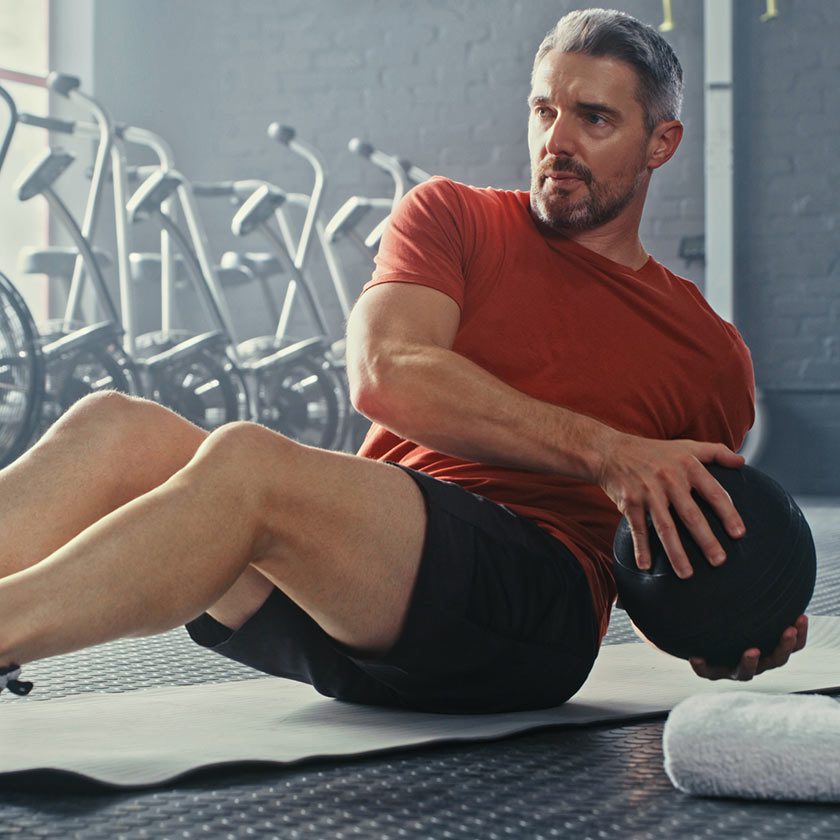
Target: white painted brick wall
column 444, row 84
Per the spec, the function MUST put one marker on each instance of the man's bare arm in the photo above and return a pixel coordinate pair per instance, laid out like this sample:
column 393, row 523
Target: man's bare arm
column 405, row 376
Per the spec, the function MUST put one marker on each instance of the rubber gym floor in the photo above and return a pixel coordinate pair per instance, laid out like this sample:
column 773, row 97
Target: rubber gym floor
column 598, row 781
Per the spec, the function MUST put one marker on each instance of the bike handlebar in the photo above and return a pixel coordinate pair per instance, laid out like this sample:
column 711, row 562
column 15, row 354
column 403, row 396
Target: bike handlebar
column 288, row 136
column 360, row 147
column 239, row 190
column 49, row 123
column 281, row 133
column 388, row 163
column 63, row 83
column 415, row 173
column 10, row 129
column 219, row 189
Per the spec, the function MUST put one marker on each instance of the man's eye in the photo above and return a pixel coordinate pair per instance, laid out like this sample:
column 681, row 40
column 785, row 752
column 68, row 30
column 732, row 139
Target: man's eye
column 541, row 112
column 596, row 119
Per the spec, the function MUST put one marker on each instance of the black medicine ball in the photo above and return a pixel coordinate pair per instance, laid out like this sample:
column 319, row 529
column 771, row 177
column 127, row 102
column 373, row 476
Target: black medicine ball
column 764, row 585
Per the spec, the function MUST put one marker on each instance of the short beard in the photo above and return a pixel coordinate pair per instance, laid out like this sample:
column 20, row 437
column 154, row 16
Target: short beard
column 603, row 204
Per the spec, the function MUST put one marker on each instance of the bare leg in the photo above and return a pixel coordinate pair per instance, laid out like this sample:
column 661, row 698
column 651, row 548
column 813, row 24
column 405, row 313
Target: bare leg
column 341, row 535
column 107, row 450
column 242, row 600
column 152, row 564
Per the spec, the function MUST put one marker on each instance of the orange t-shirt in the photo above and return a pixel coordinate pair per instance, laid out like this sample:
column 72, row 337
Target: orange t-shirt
column 641, row 351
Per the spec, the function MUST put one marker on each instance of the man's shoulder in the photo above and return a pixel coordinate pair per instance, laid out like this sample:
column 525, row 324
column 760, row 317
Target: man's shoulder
column 448, row 189
column 677, row 281
column 690, row 288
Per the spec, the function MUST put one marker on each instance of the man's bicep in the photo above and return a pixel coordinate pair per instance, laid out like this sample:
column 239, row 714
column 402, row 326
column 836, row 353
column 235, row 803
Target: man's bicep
column 405, row 312
column 392, row 317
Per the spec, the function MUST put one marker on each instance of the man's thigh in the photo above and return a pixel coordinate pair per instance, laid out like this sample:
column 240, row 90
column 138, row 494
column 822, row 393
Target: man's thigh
column 343, row 535
column 348, row 539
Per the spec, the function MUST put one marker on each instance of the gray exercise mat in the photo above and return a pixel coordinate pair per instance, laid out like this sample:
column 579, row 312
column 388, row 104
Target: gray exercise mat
column 151, row 736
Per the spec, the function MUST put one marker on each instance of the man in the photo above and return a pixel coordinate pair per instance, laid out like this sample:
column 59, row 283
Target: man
column 532, row 375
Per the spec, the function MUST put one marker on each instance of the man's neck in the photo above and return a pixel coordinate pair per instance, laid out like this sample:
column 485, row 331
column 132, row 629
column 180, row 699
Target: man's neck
column 620, row 248
column 617, row 241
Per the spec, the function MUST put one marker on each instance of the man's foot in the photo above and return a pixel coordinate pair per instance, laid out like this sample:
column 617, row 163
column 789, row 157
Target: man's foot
column 9, row 679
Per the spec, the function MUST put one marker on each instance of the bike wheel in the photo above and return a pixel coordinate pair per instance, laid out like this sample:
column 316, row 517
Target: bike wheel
column 21, row 374
column 199, row 388
column 83, row 371
column 298, row 399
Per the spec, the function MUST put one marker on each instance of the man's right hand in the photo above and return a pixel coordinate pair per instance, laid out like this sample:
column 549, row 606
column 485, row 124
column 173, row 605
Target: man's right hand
column 641, row 475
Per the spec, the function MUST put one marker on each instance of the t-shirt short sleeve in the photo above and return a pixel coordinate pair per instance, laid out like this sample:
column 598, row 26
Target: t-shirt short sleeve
column 729, row 412
column 424, row 241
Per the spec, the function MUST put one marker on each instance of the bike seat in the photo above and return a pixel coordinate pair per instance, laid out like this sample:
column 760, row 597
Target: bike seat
column 234, row 276
column 145, row 269
column 262, row 265
column 96, row 334
column 185, row 349
column 56, row 261
column 307, row 348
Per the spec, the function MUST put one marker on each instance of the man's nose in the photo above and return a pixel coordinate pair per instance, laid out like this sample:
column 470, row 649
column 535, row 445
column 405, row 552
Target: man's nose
column 560, row 140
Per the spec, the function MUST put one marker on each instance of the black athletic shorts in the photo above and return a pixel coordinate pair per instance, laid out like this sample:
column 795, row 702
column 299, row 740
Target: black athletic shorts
column 500, row 619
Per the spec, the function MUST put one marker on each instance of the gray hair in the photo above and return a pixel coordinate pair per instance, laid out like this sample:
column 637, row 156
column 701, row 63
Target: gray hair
column 603, row 32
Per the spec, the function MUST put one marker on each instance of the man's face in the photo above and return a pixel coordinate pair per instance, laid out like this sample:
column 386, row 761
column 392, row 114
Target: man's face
column 587, row 141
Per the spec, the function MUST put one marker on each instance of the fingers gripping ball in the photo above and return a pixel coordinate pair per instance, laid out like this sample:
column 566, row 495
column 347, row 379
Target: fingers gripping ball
column 719, row 612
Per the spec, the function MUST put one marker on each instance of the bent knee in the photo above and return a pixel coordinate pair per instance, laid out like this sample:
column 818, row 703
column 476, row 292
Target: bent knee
column 113, row 410
column 107, row 418
column 116, row 411
column 134, row 432
column 101, row 407
column 245, row 448
column 247, row 459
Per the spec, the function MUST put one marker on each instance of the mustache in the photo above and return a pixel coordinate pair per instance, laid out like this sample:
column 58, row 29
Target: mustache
column 566, row 164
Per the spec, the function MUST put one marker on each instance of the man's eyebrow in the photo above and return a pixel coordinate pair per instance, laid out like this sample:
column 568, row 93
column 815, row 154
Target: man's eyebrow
column 600, row 107
column 537, row 100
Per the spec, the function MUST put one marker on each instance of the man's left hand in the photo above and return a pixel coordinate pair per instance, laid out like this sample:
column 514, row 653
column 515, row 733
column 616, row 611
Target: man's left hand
column 793, row 640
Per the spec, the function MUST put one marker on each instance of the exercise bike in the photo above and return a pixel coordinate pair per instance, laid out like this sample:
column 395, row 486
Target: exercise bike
column 291, row 392
column 83, row 359
column 190, row 374
column 22, row 376
column 42, row 373
column 297, row 391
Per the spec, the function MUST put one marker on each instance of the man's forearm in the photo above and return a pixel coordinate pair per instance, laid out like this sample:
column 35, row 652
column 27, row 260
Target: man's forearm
column 443, row 401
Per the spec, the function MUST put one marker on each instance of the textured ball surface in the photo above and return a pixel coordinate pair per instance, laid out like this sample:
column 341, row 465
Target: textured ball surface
column 764, row 585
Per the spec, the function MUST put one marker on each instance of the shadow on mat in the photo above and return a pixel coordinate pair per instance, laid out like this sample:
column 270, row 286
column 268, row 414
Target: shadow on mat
column 48, row 784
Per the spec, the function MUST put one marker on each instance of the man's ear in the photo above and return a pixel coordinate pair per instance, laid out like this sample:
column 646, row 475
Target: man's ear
column 664, row 140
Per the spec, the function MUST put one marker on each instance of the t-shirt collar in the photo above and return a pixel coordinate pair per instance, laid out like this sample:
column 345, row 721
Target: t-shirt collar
column 562, row 245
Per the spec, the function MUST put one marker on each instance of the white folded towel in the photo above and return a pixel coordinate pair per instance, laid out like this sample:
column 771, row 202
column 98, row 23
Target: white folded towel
column 755, row 746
